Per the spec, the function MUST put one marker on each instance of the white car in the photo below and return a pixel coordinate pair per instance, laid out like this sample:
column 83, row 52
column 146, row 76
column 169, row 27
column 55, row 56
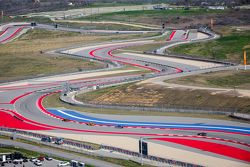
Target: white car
column 33, row 159
column 38, row 163
column 63, row 163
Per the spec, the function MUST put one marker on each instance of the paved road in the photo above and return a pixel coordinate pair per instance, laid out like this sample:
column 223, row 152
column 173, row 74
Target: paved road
column 10, row 33
column 61, row 28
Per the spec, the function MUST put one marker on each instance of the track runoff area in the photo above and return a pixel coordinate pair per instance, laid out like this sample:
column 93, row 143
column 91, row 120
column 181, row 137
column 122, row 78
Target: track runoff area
column 226, row 143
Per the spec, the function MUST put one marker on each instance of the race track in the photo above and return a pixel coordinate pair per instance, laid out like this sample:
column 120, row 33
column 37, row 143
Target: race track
column 21, row 104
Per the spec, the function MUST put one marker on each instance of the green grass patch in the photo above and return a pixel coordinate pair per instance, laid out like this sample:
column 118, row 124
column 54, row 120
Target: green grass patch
column 115, row 4
column 27, row 153
column 228, row 47
column 134, row 16
column 25, row 19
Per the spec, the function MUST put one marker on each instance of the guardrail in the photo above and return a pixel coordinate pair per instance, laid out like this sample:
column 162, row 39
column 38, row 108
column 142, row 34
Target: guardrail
column 88, row 149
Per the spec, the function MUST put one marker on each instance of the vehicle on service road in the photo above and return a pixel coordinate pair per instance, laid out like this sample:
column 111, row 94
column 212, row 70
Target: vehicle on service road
column 59, row 141
column 46, row 139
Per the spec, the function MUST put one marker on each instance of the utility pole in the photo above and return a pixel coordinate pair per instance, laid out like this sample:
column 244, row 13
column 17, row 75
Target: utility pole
column 212, row 23
column 2, row 14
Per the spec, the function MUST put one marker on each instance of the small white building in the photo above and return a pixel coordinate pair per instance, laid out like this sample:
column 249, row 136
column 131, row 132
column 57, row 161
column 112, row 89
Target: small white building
column 3, row 156
column 216, row 7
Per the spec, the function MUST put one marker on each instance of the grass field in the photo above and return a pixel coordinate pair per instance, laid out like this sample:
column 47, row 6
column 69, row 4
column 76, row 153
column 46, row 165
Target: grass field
column 7, row 19
column 114, row 3
column 224, row 79
column 29, row 62
column 136, row 16
column 147, row 95
column 228, row 47
column 27, row 153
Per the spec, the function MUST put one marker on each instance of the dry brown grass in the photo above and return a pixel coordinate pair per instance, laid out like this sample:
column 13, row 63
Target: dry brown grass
column 148, row 95
column 53, row 101
column 22, row 58
column 222, row 79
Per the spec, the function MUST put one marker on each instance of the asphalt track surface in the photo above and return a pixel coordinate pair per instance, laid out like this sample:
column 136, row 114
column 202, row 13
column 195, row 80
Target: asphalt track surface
column 21, row 105
column 9, row 33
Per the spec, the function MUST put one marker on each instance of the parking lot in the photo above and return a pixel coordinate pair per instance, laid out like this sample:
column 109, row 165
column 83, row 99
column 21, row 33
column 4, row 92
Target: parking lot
column 52, row 163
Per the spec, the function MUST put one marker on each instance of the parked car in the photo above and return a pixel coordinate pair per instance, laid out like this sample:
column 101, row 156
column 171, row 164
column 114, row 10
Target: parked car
column 63, row 163
column 74, row 163
column 33, row 159
column 41, row 158
column 38, row 163
column 81, row 164
column 48, row 158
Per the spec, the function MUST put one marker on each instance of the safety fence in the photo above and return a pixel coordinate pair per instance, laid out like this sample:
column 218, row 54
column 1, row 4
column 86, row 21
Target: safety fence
column 150, row 157
column 86, row 148
column 164, row 108
column 40, row 136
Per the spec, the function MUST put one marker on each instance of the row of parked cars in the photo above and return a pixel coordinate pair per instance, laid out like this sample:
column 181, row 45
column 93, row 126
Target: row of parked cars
column 73, row 163
column 38, row 161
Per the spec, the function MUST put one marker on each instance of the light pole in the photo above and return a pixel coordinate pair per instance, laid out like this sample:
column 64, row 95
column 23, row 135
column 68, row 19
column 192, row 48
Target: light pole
column 141, row 139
